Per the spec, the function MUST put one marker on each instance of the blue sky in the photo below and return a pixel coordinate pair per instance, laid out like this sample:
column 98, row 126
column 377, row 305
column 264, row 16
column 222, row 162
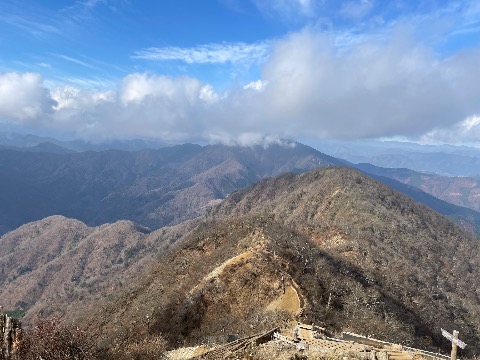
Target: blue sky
column 242, row 71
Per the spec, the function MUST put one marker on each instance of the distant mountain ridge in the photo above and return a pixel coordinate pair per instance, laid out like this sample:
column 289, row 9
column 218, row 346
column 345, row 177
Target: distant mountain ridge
column 446, row 160
column 45, row 147
column 449, row 160
column 160, row 187
column 151, row 187
column 28, row 141
column 461, row 191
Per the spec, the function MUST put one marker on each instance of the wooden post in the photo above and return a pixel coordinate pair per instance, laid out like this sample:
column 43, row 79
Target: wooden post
column 7, row 337
column 455, row 342
column 2, row 327
column 453, row 356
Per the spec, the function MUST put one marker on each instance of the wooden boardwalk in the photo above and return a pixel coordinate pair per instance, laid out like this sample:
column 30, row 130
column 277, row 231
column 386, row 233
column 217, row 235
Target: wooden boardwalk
column 308, row 341
column 223, row 352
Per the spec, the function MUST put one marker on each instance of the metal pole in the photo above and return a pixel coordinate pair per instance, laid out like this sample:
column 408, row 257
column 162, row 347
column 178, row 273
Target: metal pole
column 454, row 346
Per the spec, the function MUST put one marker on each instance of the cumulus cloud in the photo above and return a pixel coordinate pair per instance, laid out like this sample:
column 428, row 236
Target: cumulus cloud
column 143, row 105
column 208, row 94
column 69, row 97
column 467, row 131
column 374, row 88
column 141, row 88
column 23, row 97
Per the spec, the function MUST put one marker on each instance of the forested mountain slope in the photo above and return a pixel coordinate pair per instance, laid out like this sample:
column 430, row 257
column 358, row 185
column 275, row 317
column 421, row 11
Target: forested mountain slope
column 331, row 246
column 154, row 188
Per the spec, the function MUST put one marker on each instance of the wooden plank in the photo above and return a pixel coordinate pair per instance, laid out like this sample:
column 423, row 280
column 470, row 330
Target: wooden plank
column 454, row 340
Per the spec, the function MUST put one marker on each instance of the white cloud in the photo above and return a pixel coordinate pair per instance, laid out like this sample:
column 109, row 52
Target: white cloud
column 378, row 87
column 23, row 97
column 289, row 9
column 144, row 105
column 69, row 97
column 208, row 94
column 467, row 131
column 141, row 88
column 209, row 54
column 249, row 139
column 257, row 85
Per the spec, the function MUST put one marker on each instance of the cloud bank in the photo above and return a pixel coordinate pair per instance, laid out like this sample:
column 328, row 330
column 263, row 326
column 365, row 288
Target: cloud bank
column 308, row 87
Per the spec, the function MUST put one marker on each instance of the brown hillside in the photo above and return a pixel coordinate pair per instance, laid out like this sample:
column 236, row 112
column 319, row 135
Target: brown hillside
column 461, row 191
column 61, row 267
column 357, row 255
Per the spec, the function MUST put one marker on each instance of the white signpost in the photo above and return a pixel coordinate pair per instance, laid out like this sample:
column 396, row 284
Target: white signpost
column 455, row 342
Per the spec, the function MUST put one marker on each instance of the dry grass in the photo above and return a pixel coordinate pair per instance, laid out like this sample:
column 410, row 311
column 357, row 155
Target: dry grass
column 49, row 341
column 149, row 348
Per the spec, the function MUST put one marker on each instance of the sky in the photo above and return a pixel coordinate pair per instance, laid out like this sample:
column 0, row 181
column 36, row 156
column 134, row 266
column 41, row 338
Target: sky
column 241, row 71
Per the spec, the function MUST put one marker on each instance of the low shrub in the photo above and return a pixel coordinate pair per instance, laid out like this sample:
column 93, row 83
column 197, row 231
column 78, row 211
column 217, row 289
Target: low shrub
column 48, row 340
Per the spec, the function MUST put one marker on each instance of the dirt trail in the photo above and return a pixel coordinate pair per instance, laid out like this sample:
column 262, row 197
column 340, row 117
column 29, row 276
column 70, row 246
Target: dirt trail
column 290, row 301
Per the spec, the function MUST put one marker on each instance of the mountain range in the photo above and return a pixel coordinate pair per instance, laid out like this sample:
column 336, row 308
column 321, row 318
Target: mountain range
column 447, row 160
column 35, row 143
column 160, row 242
column 330, row 246
column 457, row 190
column 153, row 188
column 156, row 188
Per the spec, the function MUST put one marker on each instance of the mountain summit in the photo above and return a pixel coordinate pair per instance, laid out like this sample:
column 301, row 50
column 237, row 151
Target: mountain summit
column 331, row 246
